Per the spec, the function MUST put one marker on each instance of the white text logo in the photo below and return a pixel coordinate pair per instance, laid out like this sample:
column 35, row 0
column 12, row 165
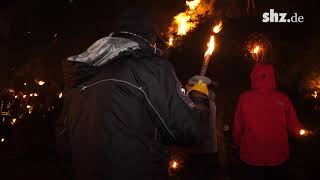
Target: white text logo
column 274, row 17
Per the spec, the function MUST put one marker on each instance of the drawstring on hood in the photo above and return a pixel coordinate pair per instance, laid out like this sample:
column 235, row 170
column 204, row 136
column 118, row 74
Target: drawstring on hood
column 263, row 77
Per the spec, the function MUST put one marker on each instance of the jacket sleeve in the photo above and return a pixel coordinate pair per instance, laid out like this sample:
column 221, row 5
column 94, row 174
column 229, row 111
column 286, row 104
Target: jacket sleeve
column 294, row 126
column 181, row 120
column 237, row 130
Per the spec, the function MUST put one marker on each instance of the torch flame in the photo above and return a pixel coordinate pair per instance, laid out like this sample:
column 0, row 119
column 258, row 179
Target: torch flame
column 193, row 4
column 210, row 47
column 211, row 43
column 187, row 20
column 184, row 24
column 217, row 28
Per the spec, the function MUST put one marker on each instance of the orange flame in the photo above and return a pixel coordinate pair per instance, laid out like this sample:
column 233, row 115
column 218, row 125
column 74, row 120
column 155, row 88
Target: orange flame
column 175, row 165
column 193, row 4
column 211, row 43
column 217, row 28
column 211, row 46
column 255, row 51
column 186, row 21
column 171, row 41
column 302, row 132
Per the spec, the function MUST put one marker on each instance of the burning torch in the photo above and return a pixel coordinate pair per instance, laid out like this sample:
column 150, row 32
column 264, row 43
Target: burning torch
column 200, row 82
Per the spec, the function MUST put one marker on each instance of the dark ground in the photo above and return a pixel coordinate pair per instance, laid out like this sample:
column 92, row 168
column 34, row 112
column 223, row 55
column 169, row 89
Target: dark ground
column 31, row 155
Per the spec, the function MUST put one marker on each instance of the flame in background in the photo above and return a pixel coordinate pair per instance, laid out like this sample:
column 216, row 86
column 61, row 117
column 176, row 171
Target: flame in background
column 186, row 21
column 255, row 50
column 313, row 85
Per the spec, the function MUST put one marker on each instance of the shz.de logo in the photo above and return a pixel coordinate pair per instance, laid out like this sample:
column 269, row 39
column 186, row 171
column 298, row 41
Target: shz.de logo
column 274, row 17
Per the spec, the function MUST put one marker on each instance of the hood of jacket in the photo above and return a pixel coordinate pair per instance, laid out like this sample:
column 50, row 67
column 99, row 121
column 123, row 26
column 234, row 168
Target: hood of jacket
column 263, row 77
column 80, row 67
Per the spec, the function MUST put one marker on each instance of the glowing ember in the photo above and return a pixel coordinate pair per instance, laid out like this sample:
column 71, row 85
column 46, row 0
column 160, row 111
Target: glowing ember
column 302, row 132
column 60, row 95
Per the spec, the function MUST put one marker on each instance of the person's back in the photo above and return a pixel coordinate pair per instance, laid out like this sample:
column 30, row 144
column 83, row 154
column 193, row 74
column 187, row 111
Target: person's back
column 123, row 106
column 263, row 118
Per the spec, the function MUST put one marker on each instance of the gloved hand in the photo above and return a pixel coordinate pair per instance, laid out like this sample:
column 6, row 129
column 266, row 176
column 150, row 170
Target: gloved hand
column 199, row 84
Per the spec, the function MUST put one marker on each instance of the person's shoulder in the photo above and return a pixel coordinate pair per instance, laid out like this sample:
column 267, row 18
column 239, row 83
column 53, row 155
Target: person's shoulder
column 281, row 95
column 247, row 93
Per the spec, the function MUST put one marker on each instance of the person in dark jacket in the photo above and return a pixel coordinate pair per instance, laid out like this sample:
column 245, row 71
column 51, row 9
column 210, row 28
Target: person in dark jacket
column 262, row 120
column 124, row 105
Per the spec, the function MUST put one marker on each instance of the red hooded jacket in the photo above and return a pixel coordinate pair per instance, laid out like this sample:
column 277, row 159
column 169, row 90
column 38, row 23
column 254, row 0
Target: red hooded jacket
column 262, row 120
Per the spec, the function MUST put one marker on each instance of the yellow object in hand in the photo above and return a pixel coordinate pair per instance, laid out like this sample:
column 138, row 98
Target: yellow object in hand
column 200, row 87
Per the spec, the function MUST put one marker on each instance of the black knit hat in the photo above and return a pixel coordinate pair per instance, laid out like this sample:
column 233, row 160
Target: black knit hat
column 136, row 20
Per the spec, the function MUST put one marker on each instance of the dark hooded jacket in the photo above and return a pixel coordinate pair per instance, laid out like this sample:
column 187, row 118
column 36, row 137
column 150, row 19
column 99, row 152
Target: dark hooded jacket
column 262, row 120
column 123, row 106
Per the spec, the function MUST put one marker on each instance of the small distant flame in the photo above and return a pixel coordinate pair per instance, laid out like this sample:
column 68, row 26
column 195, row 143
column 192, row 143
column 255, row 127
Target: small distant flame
column 2, row 140
column 171, row 41
column 174, row 165
column 29, row 107
column 315, row 94
column 16, row 96
column 256, row 50
column 14, row 120
column 60, row 95
column 31, row 95
column 41, row 83
column 35, row 94
column 24, row 96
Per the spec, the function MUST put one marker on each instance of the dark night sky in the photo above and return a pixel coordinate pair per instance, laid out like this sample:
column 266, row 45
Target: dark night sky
column 36, row 35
